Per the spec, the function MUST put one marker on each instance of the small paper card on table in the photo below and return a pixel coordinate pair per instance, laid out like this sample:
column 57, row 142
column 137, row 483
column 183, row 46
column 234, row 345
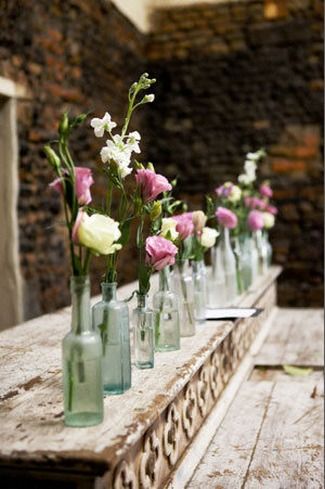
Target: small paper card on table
column 232, row 313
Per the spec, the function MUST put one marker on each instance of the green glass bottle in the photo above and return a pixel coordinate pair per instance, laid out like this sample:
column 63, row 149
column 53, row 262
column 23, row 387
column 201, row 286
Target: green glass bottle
column 111, row 320
column 82, row 353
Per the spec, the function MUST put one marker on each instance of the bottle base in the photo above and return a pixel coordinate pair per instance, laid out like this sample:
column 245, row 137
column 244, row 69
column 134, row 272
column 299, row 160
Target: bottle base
column 114, row 390
column 163, row 348
column 144, row 365
column 81, row 420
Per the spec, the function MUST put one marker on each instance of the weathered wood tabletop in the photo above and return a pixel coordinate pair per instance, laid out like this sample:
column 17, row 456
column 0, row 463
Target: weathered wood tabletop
column 144, row 432
column 272, row 436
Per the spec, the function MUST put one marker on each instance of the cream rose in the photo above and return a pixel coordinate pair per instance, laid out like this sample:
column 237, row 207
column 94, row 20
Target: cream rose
column 268, row 219
column 98, row 233
column 208, row 237
column 168, row 229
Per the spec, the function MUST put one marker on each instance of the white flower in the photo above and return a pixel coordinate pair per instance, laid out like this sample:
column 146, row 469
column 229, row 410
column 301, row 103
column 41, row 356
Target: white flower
column 245, row 179
column 99, row 233
column 269, row 220
column 150, row 97
column 102, row 125
column 133, row 141
column 208, row 237
column 168, row 229
column 119, row 152
column 235, row 194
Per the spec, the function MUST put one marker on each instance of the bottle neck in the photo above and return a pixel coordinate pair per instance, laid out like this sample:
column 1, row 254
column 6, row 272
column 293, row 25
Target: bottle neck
column 109, row 291
column 80, row 298
column 164, row 279
column 226, row 238
column 142, row 301
column 182, row 266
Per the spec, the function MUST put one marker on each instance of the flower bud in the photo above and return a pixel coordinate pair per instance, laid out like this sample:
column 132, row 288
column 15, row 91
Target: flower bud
column 150, row 167
column 64, row 125
column 155, row 210
column 52, row 157
column 199, row 219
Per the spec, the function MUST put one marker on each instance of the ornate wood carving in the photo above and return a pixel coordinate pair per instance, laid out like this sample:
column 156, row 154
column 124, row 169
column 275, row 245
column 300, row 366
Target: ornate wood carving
column 189, row 410
column 124, row 477
column 171, row 435
column 150, row 461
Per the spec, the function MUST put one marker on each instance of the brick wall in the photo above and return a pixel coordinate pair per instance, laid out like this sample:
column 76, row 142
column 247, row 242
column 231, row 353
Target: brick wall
column 229, row 80
column 75, row 55
column 232, row 79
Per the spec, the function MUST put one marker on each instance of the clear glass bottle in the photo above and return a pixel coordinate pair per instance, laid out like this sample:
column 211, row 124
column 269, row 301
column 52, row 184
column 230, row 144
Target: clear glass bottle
column 142, row 320
column 184, row 290
column 200, row 288
column 262, row 253
column 166, row 315
column 269, row 250
column 82, row 357
column 254, row 258
column 246, row 260
column 229, row 263
column 216, row 282
column 239, row 264
column 111, row 319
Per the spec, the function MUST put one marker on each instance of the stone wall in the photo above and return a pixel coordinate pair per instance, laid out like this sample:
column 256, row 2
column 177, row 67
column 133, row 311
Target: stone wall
column 229, row 80
column 76, row 55
column 235, row 77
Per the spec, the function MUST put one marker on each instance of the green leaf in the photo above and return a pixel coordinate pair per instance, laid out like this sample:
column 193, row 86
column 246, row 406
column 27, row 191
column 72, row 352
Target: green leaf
column 297, row 371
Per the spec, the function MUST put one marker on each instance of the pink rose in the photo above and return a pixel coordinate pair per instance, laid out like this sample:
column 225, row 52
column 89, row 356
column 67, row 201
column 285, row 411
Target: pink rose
column 265, row 190
column 255, row 220
column 272, row 209
column 83, row 182
column 151, row 184
column 185, row 226
column 226, row 218
column 160, row 252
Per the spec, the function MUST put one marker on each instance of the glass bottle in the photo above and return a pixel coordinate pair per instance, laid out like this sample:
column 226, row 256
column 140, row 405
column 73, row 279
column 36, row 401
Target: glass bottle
column 184, row 290
column 166, row 315
column 216, row 282
column 229, row 263
column 239, row 264
column 111, row 319
column 82, row 355
column 269, row 250
column 254, row 257
column 262, row 252
column 143, row 333
column 199, row 282
column 246, row 260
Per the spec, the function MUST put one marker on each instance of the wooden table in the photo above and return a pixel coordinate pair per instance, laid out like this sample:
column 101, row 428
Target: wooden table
column 145, row 432
column 272, row 437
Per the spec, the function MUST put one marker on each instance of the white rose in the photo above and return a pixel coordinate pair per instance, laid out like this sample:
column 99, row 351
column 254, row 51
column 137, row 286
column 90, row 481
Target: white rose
column 269, row 220
column 99, row 233
column 168, row 228
column 235, row 194
column 208, row 237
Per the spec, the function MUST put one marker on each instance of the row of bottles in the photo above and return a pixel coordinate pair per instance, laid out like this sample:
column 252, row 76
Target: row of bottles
column 97, row 351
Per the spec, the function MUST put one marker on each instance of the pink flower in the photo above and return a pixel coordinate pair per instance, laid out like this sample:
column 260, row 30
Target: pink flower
column 185, row 226
column 226, row 218
column 151, row 184
column 76, row 225
column 255, row 220
column 265, row 190
column 83, row 182
column 272, row 209
column 255, row 203
column 224, row 190
column 160, row 252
